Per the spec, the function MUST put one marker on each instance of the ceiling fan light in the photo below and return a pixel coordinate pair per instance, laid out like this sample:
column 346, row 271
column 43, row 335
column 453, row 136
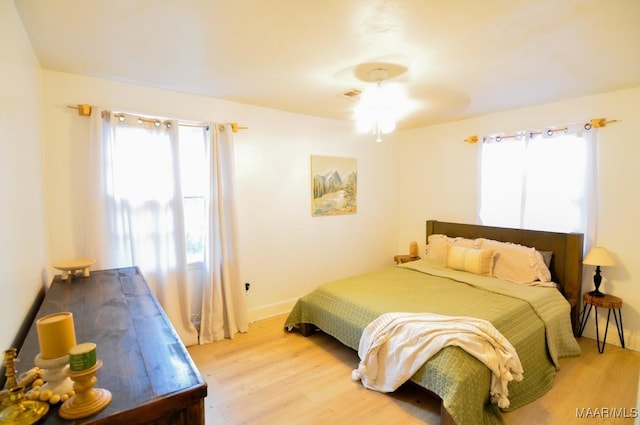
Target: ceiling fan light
column 379, row 107
column 387, row 125
column 364, row 124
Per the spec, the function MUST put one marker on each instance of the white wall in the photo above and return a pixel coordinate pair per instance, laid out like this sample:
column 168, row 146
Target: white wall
column 420, row 174
column 22, row 243
column 284, row 252
column 437, row 179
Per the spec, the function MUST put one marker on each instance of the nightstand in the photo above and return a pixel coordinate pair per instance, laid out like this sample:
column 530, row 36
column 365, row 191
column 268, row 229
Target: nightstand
column 401, row 259
column 610, row 302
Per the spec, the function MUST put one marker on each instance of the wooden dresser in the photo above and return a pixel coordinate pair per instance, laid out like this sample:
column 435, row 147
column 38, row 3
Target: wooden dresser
column 146, row 367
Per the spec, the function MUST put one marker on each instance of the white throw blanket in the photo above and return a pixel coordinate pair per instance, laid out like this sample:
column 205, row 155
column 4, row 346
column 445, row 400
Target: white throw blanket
column 395, row 345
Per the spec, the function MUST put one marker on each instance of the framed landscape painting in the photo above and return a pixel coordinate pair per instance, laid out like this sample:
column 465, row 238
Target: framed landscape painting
column 334, row 185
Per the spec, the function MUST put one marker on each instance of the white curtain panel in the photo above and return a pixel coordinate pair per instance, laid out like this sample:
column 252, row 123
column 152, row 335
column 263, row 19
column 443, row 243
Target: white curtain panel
column 135, row 214
column 224, row 311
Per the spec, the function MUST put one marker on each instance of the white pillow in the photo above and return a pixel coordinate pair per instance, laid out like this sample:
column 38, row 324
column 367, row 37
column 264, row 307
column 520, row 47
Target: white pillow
column 517, row 263
column 437, row 246
column 472, row 260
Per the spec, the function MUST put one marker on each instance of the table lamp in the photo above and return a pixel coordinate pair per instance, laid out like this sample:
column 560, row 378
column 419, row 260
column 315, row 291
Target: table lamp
column 598, row 256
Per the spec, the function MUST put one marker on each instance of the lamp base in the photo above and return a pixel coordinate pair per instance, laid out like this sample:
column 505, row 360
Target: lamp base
column 597, row 280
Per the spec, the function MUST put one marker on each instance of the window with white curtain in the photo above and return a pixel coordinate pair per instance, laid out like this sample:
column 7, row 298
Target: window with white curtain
column 155, row 186
column 162, row 197
column 539, row 180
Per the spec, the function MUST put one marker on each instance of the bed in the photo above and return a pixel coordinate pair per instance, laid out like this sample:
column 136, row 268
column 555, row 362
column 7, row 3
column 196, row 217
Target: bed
column 540, row 322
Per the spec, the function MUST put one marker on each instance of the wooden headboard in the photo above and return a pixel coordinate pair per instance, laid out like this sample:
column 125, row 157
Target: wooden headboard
column 566, row 263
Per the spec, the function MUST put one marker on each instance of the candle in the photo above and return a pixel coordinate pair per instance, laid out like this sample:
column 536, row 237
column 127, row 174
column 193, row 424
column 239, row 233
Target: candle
column 413, row 249
column 82, row 357
column 56, row 335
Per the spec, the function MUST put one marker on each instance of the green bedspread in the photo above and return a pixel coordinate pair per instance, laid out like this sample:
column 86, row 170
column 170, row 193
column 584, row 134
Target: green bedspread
column 534, row 319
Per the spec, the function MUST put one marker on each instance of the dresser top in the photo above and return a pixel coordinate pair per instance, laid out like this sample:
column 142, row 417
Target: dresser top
column 144, row 361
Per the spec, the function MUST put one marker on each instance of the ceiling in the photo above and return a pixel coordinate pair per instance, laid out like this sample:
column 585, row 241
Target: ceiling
column 464, row 57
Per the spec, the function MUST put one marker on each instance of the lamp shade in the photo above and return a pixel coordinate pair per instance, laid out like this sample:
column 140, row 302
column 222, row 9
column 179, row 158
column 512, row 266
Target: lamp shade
column 599, row 256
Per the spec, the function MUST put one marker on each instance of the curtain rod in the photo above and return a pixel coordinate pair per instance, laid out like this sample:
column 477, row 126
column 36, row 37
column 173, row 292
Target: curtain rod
column 84, row 110
column 593, row 123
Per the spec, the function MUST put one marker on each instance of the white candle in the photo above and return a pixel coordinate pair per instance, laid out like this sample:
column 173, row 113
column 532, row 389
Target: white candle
column 56, row 335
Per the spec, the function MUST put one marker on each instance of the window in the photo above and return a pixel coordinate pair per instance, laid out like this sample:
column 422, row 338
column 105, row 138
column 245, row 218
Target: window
column 538, row 181
column 194, row 172
column 153, row 190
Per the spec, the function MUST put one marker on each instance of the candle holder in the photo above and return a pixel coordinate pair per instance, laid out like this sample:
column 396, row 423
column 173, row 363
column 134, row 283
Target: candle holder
column 57, row 385
column 56, row 336
column 10, row 358
column 87, row 400
column 22, row 411
column 13, row 380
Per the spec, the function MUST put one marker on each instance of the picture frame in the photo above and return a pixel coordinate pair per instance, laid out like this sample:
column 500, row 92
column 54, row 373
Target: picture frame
column 334, row 185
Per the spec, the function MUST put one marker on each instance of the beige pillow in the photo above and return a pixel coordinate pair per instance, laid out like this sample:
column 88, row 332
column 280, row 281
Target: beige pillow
column 472, row 260
column 517, row 263
column 437, row 246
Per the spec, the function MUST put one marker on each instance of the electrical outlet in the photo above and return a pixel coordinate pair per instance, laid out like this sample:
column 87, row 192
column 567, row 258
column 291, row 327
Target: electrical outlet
column 247, row 286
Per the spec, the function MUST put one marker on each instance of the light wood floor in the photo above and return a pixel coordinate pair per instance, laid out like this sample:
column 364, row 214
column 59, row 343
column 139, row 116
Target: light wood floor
column 269, row 376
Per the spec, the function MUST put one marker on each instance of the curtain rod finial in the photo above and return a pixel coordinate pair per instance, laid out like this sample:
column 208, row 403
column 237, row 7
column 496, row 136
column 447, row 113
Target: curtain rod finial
column 601, row 122
column 235, row 127
column 84, row 110
column 472, row 139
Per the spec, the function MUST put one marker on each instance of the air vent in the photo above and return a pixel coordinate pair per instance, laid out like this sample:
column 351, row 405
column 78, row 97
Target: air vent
column 352, row 94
